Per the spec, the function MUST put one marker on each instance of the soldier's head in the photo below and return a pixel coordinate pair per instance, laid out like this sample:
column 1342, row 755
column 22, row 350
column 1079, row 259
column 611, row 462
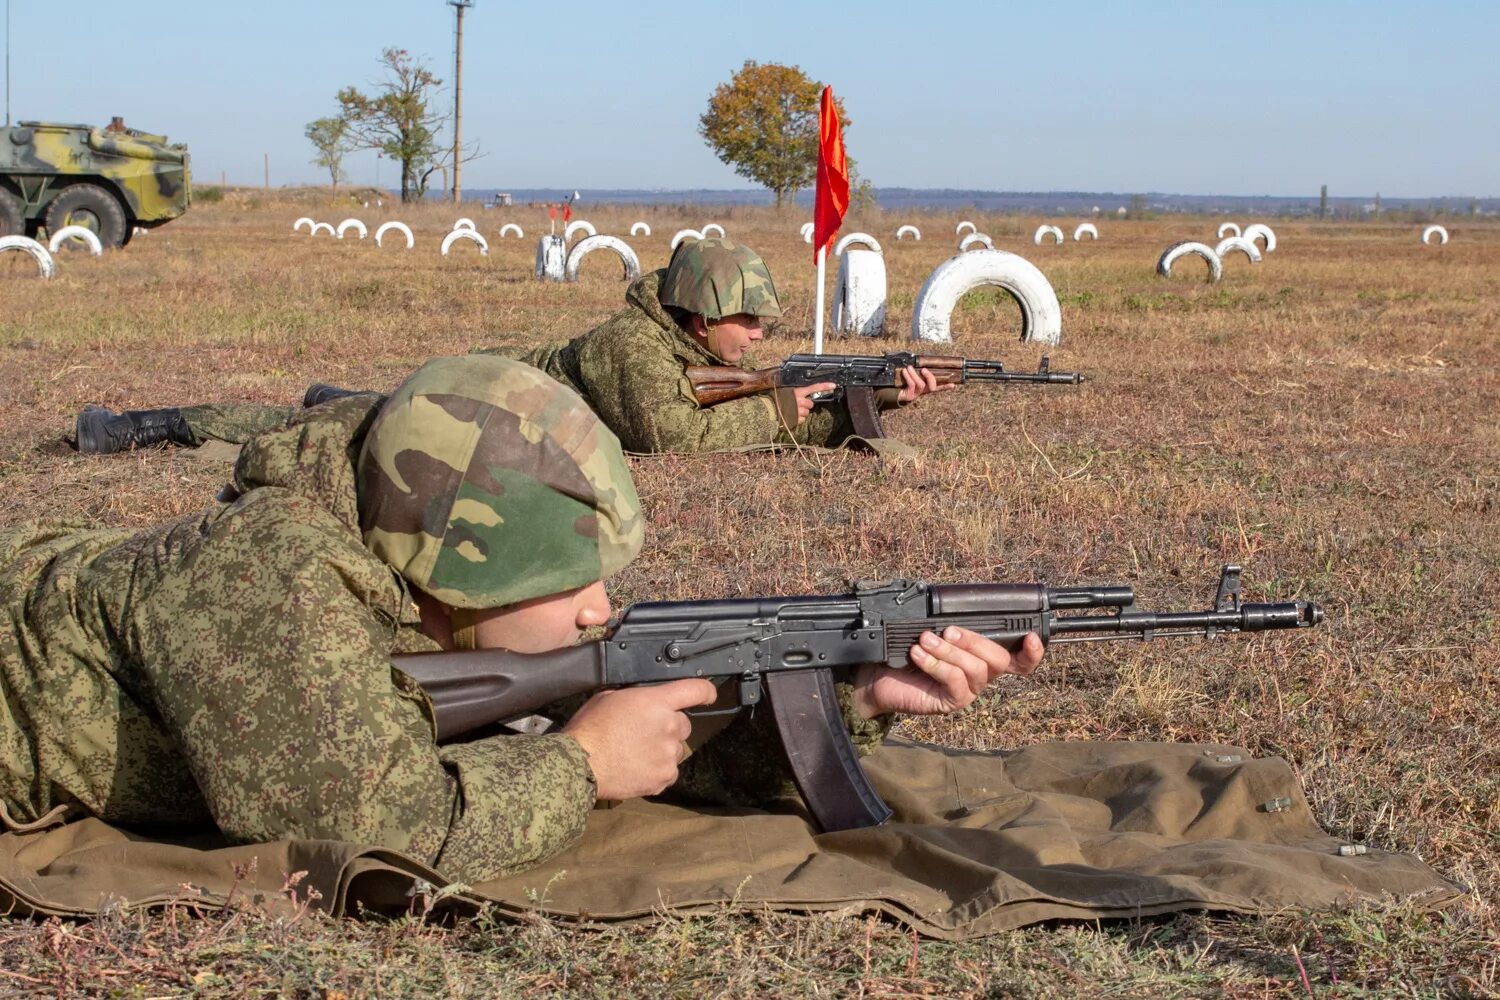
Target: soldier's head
column 719, row 292
column 501, row 499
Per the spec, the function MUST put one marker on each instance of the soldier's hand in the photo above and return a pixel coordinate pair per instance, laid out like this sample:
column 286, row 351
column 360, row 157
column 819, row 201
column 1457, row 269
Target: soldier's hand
column 636, row 737
column 951, row 671
column 918, row 382
column 804, row 396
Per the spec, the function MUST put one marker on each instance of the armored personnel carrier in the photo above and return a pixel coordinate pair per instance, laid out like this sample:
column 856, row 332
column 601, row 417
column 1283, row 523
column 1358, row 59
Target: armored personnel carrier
column 109, row 180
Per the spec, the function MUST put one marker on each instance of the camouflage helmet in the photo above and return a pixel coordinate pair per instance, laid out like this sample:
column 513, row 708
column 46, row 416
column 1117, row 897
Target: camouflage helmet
column 483, row 483
column 718, row 278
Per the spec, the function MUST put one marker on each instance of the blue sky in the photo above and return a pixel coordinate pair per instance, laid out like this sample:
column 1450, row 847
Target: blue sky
column 1202, row 97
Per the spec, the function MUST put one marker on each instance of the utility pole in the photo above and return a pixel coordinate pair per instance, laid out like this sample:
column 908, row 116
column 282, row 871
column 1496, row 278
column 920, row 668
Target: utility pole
column 7, row 63
column 268, row 170
column 459, row 6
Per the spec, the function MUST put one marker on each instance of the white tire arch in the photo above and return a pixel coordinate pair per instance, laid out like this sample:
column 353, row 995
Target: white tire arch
column 399, row 227
column 1230, row 244
column 1046, row 230
column 349, row 224
column 511, row 227
column 806, row 231
column 1085, row 229
column 1261, row 231
column 87, row 236
column 465, row 223
column 1227, row 229
column 1041, row 315
column 1431, row 231
column 297, row 226
column 472, row 235
column 982, row 239
column 859, row 293
column 958, row 230
column 575, row 226
column 1190, row 248
column 683, row 234
column 586, row 246
column 27, row 245
column 906, row 231
column 865, row 238
column 640, row 229
column 718, row 230
column 319, row 227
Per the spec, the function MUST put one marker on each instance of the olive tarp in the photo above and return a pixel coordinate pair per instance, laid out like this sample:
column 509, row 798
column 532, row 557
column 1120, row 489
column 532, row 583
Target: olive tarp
column 981, row 842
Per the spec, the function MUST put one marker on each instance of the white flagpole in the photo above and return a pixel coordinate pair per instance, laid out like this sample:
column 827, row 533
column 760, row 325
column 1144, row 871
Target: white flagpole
column 818, row 317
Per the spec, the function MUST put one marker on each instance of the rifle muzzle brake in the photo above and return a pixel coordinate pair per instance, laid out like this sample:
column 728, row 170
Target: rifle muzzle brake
column 1284, row 614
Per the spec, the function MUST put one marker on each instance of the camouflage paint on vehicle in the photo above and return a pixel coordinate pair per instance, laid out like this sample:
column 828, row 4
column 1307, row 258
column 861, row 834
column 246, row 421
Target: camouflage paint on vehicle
column 150, row 176
column 718, row 278
column 485, row 483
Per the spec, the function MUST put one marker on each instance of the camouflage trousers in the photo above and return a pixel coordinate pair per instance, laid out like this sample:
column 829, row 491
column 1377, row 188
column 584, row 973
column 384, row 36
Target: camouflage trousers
column 235, row 423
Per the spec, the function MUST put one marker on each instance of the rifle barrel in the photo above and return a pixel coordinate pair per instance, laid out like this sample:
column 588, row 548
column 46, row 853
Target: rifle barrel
column 1136, row 624
column 1042, row 378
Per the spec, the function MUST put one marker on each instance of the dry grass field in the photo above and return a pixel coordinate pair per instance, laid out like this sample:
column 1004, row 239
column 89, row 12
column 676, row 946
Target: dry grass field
column 1327, row 418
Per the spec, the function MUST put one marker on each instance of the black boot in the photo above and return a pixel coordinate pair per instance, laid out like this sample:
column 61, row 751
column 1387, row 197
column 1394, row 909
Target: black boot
column 318, row 393
column 101, row 431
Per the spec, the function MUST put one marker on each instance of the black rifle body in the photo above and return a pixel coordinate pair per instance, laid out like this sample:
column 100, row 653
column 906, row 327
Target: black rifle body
column 788, row 648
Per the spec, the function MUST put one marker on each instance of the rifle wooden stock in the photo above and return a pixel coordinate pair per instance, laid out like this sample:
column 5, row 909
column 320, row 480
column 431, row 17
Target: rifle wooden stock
column 713, row 384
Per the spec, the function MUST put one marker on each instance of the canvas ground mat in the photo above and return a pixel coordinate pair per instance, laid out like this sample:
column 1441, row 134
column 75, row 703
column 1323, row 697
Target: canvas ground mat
column 981, row 842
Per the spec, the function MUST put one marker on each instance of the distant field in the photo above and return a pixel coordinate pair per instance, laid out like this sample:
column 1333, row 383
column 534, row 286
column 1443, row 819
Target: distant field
column 1327, row 418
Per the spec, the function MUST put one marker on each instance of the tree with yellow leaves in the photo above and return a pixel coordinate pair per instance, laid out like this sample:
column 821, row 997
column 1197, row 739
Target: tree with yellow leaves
column 764, row 124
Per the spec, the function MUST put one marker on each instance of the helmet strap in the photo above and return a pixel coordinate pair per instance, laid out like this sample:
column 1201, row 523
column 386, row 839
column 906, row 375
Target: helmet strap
column 711, row 338
column 462, row 621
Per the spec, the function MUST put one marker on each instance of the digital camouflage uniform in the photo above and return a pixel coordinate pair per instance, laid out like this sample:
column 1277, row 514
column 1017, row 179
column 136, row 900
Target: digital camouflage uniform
column 235, row 423
column 232, row 667
column 631, row 368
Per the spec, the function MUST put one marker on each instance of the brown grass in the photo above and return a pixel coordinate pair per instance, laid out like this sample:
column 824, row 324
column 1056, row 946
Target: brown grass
column 1327, row 418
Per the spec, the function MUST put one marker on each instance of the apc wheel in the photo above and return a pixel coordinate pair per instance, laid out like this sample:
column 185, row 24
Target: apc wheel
column 12, row 221
column 92, row 208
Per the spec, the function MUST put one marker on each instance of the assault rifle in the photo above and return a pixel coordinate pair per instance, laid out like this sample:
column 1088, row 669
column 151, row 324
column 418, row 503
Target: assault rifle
column 786, row 649
column 857, row 377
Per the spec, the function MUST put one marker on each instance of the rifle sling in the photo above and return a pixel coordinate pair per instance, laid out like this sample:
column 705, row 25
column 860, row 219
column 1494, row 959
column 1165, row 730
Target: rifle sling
column 824, row 763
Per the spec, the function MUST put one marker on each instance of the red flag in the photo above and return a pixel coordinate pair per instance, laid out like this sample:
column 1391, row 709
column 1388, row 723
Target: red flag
column 551, row 211
column 567, row 211
column 831, row 195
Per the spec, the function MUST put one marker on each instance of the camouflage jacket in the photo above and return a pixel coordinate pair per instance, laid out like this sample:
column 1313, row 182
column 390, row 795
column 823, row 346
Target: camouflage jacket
column 630, row 370
column 233, row 667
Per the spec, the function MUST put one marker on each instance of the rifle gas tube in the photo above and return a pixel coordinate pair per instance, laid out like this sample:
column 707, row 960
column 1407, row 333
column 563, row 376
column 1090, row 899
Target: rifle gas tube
column 785, row 649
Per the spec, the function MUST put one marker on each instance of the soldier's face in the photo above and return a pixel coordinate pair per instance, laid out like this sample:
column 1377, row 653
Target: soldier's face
column 535, row 626
column 729, row 338
column 544, row 623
